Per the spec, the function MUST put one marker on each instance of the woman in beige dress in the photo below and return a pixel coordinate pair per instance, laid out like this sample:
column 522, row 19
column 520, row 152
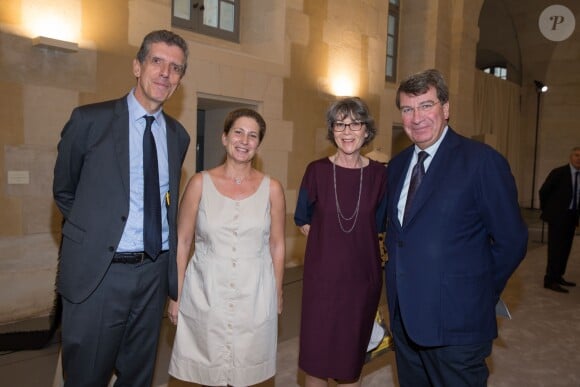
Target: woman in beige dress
column 230, row 292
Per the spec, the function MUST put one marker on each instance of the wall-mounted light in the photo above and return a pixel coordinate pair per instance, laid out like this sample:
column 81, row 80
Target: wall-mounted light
column 55, row 44
column 342, row 86
column 336, row 87
column 52, row 25
column 540, row 87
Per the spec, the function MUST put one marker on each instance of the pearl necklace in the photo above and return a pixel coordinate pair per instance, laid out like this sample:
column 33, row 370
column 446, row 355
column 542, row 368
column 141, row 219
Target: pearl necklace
column 339, row 213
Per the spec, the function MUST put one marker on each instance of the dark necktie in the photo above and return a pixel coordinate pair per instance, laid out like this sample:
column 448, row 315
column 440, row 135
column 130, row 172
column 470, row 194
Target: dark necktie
column 416, row 177
column 151, row 195
column 575, row 198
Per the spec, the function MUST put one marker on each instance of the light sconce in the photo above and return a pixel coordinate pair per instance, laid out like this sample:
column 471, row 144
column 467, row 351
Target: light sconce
column 540, row 87
column 342, row 86
column 55, row 44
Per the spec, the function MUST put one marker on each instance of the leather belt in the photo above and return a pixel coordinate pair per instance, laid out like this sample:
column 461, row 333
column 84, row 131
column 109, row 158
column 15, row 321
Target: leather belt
column 132, row 257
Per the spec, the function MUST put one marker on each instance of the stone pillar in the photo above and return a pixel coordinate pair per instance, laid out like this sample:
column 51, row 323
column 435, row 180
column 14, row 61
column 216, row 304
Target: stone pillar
column 443, row 34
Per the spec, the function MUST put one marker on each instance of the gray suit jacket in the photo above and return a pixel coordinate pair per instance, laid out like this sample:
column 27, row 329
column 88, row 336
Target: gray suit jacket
column 91, row 189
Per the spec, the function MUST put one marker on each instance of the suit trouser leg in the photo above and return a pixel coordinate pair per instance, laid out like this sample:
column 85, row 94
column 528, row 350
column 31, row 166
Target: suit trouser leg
column 560, row 238
column 120, row 318
column 451, row 365
column 138, row 352
column 410, row 370
column 457, row 365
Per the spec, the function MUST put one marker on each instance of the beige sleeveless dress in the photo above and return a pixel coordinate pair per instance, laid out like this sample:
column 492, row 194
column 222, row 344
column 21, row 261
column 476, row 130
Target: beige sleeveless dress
column 227, row 324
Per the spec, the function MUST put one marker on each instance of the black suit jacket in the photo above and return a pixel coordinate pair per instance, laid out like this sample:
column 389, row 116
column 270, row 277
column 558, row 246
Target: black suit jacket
column 91, row 189
column 556, row 194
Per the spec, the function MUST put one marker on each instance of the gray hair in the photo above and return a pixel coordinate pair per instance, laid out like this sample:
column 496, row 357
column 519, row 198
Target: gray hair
column 162, row 36
column 355, row 108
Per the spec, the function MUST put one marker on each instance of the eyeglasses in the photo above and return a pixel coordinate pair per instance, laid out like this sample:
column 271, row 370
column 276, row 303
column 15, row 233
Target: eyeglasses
column 173, row 67
column 354, row 126
column 425, row 107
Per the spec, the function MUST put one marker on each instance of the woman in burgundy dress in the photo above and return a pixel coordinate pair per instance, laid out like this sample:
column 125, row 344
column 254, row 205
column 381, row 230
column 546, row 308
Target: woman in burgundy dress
column 341, row 210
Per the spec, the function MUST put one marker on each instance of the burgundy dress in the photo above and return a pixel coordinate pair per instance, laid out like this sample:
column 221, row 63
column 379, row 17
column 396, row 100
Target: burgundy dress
column 342, row 270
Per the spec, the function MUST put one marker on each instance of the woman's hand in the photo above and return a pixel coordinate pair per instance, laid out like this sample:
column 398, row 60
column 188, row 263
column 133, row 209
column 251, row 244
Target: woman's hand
column 172, row 311
column 305, row 229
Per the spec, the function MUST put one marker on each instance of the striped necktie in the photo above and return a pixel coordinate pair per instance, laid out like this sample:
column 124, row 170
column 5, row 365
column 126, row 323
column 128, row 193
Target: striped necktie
column 416, row 178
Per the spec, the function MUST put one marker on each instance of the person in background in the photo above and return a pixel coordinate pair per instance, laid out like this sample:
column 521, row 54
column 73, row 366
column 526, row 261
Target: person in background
column 340, row 209
column 117, row 257
column 560, row 205
column 231, row 290
column 454, row 237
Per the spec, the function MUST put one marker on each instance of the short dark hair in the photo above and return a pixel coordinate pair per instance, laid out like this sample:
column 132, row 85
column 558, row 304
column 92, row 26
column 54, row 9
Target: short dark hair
column 245, row 112
column 352, row 107
column 418, row 84
column 162, row 36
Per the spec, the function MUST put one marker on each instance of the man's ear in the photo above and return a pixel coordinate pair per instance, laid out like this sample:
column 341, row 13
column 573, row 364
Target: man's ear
column 136, row 68
column 446, row 110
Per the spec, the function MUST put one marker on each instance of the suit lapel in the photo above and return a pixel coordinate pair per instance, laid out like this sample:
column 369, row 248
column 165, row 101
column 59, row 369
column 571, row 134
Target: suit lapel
column 173, row 163
column 400, row 180
column 435, row 174
column 120, row 128
column 568, row 182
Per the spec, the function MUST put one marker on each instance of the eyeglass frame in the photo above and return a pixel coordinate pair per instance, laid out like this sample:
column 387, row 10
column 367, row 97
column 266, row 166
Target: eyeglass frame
column 361, row 123
column 357, row 110
column 423, row 107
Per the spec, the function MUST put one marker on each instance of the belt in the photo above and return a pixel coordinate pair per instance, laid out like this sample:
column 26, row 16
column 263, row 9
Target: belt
column 133, row 257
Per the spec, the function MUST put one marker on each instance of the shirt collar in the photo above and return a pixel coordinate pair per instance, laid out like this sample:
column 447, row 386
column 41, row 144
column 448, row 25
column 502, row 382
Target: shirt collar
column 136, row 111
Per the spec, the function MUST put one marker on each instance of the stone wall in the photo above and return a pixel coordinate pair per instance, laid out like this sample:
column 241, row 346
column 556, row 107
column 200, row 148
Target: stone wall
column 291, row 54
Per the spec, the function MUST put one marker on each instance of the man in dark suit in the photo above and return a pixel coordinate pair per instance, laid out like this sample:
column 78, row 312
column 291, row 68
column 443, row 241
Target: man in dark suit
column 560, row 203
column 454, row 237
column 114, row 292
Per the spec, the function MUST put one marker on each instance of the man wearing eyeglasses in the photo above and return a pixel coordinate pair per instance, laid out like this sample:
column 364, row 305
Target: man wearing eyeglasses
column 454, row 237
column 117, row 259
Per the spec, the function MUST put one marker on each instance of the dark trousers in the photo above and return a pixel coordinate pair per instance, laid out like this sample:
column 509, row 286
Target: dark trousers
column 117, row 328
column 445, row 366
column 560, row 237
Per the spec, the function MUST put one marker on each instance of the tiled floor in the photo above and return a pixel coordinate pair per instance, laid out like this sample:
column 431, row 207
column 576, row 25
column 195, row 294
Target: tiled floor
column 538, row 347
